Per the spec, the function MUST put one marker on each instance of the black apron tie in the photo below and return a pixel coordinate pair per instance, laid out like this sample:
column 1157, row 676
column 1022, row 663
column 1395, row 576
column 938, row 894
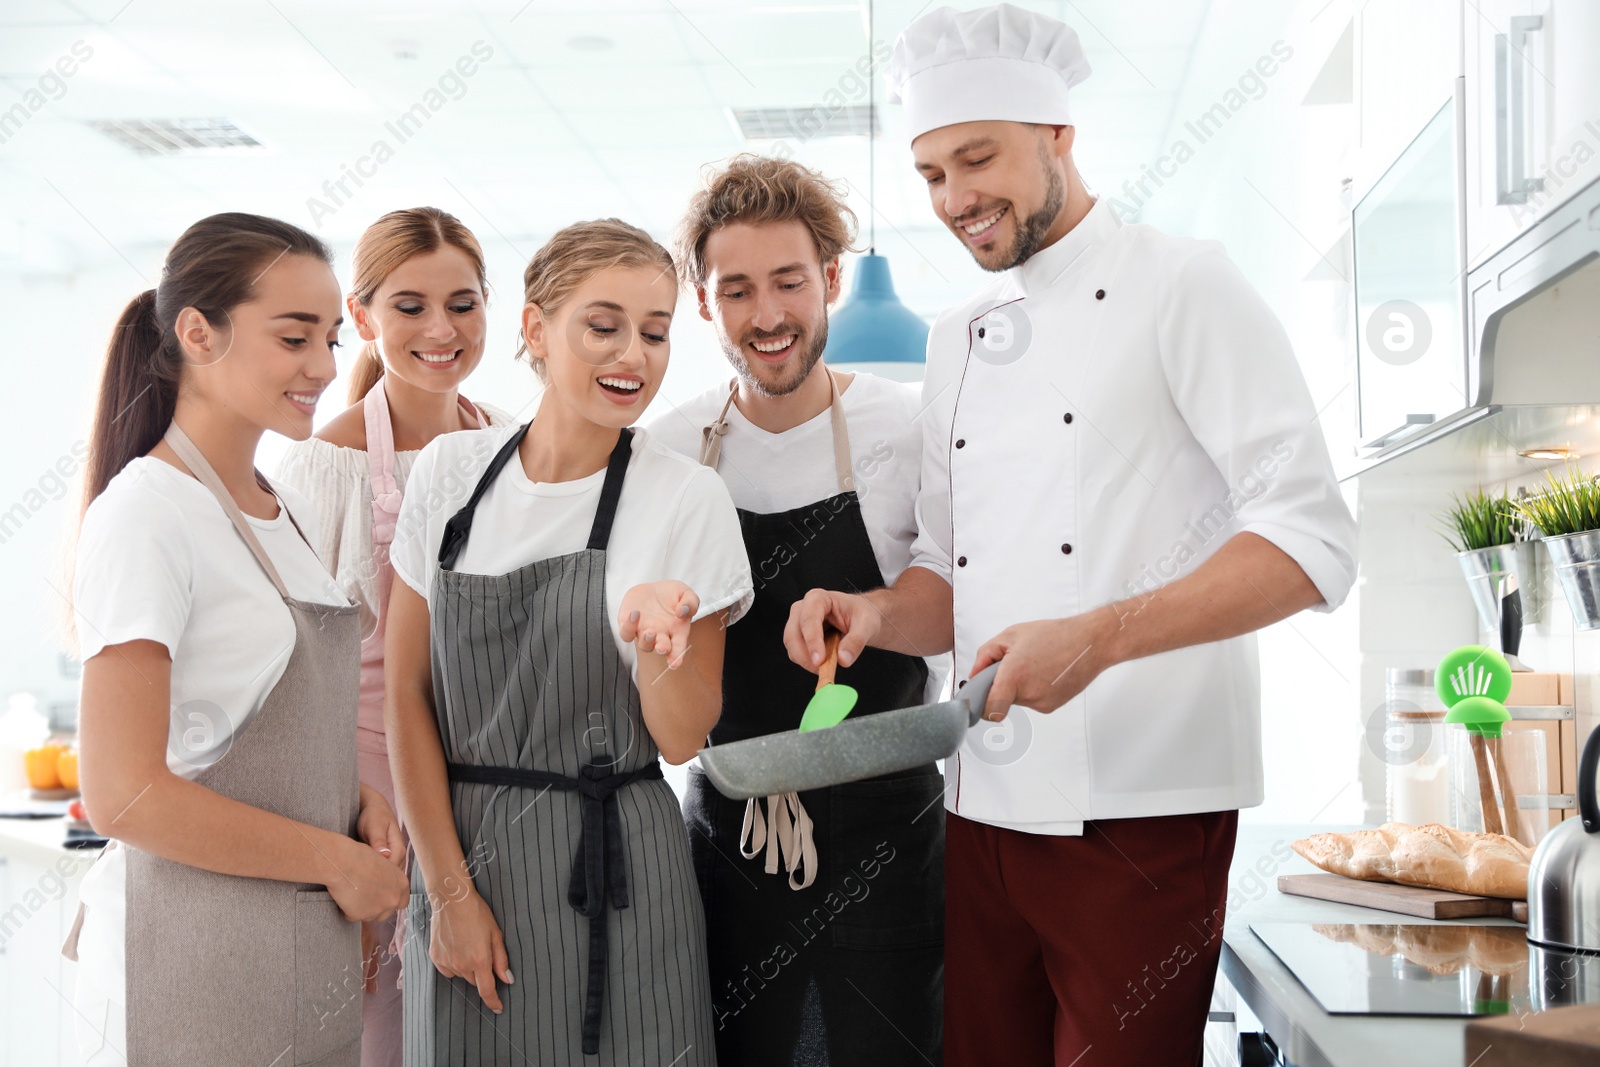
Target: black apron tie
column 599, row 869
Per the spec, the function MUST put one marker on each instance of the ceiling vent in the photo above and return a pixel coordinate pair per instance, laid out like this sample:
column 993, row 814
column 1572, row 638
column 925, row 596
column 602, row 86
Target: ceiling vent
column 805, row 123
column 176, row 137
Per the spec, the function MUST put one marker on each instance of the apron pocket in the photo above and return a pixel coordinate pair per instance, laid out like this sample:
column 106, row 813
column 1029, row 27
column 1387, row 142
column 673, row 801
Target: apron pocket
column 327, row 980
column 886, row 856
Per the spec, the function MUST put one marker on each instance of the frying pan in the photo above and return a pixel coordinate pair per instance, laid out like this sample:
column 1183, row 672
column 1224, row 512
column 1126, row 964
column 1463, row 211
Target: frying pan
column 857, row 748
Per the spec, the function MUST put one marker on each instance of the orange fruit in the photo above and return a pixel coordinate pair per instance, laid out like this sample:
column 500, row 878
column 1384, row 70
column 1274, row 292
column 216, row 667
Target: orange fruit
column 67, row 768
column 41, row 766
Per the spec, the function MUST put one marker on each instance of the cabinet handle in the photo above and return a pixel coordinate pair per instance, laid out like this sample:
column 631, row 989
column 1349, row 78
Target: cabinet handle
column 1413, row 424
column 1512, row 184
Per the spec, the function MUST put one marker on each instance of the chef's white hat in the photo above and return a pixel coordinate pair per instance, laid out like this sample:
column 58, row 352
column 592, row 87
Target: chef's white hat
column 997, row 62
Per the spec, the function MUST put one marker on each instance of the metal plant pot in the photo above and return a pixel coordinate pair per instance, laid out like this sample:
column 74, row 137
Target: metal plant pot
column 1576, row 560
column 1485, row 567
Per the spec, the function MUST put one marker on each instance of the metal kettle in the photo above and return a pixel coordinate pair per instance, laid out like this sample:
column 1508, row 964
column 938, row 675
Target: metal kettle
column 1564, row 876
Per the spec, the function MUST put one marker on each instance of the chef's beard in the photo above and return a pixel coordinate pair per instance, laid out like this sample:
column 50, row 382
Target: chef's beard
column 814, row 338
column 1031, row 230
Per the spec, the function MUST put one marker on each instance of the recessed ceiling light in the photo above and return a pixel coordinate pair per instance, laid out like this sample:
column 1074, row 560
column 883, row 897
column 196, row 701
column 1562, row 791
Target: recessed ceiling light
column 172, row 137
column 1558, row 452
column 801, row 124
column 591, row 42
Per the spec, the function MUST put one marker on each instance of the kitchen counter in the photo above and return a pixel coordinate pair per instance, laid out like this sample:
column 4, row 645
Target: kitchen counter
column 1306, row 1035
column 38, row 841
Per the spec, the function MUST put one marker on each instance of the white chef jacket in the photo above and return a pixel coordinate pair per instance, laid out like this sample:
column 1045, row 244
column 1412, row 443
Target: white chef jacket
column 1098, row 421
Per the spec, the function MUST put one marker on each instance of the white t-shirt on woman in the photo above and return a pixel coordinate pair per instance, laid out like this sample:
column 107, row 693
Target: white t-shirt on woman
column 159, row 560
column 674, row 520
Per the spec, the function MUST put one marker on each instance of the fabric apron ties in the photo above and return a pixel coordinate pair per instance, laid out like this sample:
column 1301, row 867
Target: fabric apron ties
column 565, row 593
column 599, row 869
column 279, row 992
column 824, row 544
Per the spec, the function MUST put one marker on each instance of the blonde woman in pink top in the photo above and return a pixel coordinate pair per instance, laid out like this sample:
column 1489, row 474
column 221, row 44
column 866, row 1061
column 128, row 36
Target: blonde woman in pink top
column 418, row 303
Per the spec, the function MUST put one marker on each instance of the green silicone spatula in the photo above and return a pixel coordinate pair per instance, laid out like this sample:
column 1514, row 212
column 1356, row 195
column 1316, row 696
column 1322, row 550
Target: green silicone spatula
column 1473, row 681
column 1473, row 671
column 831, row 702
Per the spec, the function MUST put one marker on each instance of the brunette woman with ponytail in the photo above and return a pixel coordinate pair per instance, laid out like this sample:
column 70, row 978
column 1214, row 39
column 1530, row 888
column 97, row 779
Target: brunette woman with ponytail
column 418, row 303
column 220, row 672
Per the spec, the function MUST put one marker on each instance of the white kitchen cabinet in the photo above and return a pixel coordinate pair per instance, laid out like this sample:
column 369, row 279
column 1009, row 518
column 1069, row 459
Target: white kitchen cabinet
column 7, row 1020
column 1407, row 57
column 1533, row 105
column 31, row 914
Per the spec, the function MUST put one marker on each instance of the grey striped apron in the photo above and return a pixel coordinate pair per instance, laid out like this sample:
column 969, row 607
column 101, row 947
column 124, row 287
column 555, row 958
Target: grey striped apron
column 223, row 969
column 572, row 836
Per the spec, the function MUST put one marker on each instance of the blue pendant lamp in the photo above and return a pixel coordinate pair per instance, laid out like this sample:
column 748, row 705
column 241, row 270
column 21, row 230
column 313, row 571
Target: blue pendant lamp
column 872, row 326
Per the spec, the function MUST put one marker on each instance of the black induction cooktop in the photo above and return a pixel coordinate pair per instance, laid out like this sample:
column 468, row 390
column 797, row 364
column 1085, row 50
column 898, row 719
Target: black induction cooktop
column 1407, row 969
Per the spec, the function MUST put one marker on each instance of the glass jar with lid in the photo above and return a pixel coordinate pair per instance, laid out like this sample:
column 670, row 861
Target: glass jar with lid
column 1416, row 757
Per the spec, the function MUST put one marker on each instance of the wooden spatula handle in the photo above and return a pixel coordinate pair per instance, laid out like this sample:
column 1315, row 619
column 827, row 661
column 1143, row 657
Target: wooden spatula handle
column 830, row 658
column 1491, row 810
column 1508, row 799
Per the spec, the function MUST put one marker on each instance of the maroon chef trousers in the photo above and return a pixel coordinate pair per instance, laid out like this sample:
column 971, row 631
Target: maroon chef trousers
column 1092, row 951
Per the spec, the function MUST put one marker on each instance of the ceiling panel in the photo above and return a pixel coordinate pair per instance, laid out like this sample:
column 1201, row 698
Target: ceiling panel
column 584, row 108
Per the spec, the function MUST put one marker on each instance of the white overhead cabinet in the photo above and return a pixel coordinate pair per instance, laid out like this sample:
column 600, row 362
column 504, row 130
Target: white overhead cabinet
column 1477, row 186
column 1410, row 364
column 1407, row 58
column 1406, row 226
column 1533, row 104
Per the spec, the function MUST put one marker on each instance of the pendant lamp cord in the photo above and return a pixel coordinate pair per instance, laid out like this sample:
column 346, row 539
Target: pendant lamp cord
column 872, row 138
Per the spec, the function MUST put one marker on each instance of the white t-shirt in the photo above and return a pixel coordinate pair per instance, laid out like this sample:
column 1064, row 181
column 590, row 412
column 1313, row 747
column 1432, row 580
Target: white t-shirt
column 772, row 472
column 159, row 560
column 674, row 521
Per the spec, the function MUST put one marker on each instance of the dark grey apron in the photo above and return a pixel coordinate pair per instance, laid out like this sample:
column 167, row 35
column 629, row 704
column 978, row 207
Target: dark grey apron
column 572, row 836
column 224, row 969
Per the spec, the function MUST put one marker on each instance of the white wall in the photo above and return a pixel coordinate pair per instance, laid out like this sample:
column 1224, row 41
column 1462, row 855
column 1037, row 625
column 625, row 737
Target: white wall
column 1267, row 185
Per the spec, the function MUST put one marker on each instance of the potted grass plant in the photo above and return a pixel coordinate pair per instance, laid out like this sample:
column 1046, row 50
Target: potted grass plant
column 1489, row 536
column 1566, row 513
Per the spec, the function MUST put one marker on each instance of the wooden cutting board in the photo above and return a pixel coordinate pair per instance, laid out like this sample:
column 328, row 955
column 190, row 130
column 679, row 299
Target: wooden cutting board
column 1561, row 1037
column 1405, row 899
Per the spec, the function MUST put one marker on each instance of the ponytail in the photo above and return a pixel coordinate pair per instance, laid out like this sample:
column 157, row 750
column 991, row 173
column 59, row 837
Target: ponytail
column 365, row 374
column 138, row 394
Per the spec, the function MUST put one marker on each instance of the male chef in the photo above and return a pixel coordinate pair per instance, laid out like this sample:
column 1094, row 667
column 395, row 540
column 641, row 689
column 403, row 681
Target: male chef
column 1123, row 479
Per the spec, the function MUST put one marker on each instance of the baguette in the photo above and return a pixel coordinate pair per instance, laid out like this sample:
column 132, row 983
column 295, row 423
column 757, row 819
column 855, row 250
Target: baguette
column 1430, row 856
column 1486, row 865
column 1364, row 854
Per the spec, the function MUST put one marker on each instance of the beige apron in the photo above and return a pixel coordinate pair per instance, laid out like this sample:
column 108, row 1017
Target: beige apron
column 225, row 969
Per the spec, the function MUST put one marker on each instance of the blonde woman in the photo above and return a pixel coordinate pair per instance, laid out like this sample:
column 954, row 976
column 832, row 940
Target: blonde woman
column 557, row 627
column 418, row 303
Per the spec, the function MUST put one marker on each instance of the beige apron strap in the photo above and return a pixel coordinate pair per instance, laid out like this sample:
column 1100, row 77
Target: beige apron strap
column 842, row 463
column 201, row 469
column 785, row 829
column 711, row 436
column 69, row 947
